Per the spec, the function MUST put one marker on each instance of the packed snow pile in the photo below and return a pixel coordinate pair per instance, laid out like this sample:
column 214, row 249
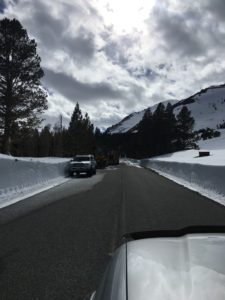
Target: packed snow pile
column 23, row 177
column 203, row 174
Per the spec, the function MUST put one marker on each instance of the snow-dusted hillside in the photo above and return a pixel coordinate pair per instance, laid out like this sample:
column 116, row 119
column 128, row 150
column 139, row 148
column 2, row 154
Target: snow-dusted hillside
column 207, row 108
column 130, row 122
column 127, row 123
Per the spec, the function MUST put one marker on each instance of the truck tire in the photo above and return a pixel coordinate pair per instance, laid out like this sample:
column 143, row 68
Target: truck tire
column 89, row 173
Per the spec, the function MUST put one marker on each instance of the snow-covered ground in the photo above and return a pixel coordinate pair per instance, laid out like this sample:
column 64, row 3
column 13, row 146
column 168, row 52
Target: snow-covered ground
column 203, row 174
column 48, row 160
column 24, row 177
column 131, row 162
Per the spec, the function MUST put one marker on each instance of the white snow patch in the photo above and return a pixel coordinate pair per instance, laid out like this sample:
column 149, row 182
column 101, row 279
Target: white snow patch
column 131, row 162
column 24, row 177
column 47, row 160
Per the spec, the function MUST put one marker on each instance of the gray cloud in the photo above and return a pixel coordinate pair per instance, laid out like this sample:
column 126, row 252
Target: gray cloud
column 2, row 6
column 107, row 121
column 82, row 46
column 216, row 7
column 52, row 32
column 118, row 50
column 179, row 51
column 179, row 32
column 76, row 90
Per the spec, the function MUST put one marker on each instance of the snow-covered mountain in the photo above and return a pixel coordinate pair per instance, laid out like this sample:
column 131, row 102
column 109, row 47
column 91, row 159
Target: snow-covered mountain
column 207, row 107
column 130, row 122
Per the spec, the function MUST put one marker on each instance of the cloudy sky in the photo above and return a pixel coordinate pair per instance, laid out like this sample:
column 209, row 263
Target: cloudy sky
column 119, row 56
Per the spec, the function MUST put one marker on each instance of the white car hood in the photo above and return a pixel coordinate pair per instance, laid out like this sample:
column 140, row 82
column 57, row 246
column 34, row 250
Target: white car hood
column 190, row 267
column 80, row 162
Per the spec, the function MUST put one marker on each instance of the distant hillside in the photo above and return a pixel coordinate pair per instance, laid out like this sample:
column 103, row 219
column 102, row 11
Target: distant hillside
column 129, row 123
column 207, row 108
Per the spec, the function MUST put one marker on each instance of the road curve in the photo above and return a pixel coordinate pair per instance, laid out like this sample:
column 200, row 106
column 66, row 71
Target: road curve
column 59, row 248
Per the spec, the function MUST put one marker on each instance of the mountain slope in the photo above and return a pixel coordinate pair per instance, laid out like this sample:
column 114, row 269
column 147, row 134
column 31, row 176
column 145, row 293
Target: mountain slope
column 207, row 107
column 129, row 123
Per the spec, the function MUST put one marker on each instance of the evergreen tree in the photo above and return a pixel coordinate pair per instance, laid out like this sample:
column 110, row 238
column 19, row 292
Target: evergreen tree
column 97, row 133
column 22, row 99
column 170, row 129
column 159, row 130
column 46, row 142
column 58, row 139
column 80, row 133
column 185, row 125
column 65, row 142
column 88, row 135
column 75, row 131
column 26, row 143
column 145, row 134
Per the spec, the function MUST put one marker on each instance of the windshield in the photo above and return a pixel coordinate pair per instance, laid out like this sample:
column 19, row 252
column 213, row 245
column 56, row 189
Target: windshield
column 83, row 158
column 112, row 122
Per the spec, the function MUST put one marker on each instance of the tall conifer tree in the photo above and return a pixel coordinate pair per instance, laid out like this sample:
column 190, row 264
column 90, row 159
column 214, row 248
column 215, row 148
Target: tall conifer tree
column 22, row 99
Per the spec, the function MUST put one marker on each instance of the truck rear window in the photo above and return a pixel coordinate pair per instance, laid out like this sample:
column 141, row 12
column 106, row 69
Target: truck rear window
column 83, row 158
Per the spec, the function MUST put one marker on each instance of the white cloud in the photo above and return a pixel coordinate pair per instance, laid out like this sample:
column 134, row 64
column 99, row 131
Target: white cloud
column 116, row 57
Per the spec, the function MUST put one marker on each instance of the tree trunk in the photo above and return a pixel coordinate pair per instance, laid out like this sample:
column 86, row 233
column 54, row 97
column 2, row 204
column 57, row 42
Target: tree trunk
column 6, row 141
column 6, row 145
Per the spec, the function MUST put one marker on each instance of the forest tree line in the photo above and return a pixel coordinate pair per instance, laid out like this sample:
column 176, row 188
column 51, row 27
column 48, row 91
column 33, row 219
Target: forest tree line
column 158, row 133
column 78, row 138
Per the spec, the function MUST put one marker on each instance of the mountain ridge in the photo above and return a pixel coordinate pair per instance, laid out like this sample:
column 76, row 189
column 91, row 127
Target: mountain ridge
column 207, row 107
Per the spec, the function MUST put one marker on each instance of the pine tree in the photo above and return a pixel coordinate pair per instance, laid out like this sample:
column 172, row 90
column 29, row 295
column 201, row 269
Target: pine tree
column 159, row 130
column 58, row 138
column 88, row 135
column 26, row 143
column 145, row 134
column 170, row 128
column 46, row 141
column 22, row 99
column 185, row 125
column 75, row 131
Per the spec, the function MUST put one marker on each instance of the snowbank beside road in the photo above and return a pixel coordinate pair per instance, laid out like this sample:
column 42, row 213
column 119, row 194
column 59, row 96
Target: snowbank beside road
column 48, row 160
column 208, row 180
column 203, row 174
column 23, row 177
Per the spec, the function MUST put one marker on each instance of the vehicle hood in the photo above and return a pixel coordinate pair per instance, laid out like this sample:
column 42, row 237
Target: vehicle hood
column 189, row 267
column 80, row 162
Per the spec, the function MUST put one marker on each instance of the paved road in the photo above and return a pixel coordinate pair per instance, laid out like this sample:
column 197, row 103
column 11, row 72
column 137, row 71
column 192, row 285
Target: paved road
column 58, row 249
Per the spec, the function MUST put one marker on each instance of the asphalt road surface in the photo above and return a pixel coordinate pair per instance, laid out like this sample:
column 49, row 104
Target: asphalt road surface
column 57, row 244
